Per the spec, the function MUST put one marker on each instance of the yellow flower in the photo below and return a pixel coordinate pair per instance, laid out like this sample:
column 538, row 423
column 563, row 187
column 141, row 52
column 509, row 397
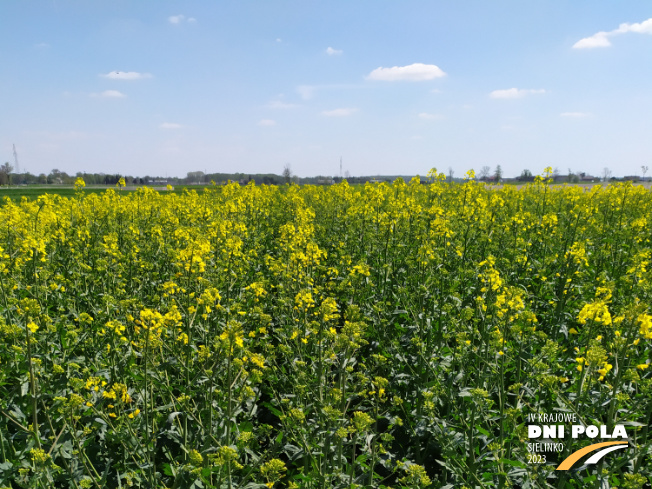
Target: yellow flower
column 643, row 366
column 596, row 311
column 33, row 327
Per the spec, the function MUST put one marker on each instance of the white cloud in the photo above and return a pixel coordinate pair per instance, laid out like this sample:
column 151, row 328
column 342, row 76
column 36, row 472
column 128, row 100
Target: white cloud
column 575, row 115
column 601, row 39
column 267, row 122
column 191, row 20
column 514, row 92
column 176, row 19
column 644, row 27
column 435, row 90
column 170, row 125
column 42, row 45
column 413, row 72
column 109, row 94
column 430, row 117
column 339, row 112
column 126, row 75
column 333, row 52
column 278, row 39
column 598, row 40
column 278, row 104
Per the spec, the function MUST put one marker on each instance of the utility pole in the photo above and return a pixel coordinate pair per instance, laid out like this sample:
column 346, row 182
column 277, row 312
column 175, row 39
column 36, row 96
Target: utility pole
column 16, row 166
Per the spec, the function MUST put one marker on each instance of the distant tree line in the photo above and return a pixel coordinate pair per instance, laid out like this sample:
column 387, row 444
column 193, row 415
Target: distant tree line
column 486, row 174
column 57, row 177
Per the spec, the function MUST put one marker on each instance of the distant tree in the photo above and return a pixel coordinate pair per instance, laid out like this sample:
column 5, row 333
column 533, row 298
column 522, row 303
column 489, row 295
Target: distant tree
column 555, row 173
column 5, row 174
column 498, row 174
column 526, row 176
column 287, row 173
column 194, row 176
column 450, row 174
column 644, row 169
column 57, row 176
column 484, row 172
column 606, row 173
column 572, row 178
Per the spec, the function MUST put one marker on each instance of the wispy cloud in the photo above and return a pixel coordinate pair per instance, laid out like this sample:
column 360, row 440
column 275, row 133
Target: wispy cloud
column 109, row 94
column 413, row 72
column 170, row 125
column 344, row 112
column 601, row 39
column 126, row 75
column 306, row 92
column 430, row 117
column 333, row 52
column 42, row 45
column 178, row 19
column 575, row 115
column 266, row 122
column 514, row 93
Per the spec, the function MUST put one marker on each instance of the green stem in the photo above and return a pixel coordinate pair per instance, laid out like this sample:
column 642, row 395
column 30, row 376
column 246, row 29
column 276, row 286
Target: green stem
column 32, row 382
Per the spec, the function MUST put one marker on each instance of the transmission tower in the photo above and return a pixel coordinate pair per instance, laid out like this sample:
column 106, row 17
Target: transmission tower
column 16, row 165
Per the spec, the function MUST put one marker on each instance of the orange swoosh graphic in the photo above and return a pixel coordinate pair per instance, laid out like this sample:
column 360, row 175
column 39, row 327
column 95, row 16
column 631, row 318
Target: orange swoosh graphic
column 575, row 456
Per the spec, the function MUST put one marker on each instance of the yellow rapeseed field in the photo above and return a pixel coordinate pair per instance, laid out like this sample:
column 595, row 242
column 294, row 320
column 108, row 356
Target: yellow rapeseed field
column 311, row 337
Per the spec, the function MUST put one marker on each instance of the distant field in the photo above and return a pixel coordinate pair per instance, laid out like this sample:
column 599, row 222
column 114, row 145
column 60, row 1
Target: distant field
column 32, row 192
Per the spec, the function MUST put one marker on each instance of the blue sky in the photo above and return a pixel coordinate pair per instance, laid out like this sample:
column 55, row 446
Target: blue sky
column 166, row 87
